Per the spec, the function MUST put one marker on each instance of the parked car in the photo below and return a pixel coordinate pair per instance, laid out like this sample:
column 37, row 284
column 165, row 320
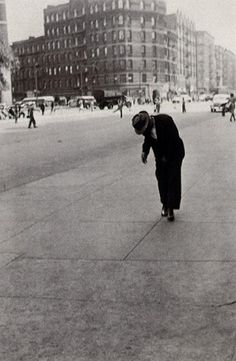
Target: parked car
column 179, row 99
column 202, row 97
column 176, row 99
column 219, row 101
column 186, row 97
column 85, row 99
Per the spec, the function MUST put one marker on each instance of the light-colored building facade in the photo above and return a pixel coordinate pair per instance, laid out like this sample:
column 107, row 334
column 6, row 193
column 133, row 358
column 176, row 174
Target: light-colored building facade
column 185, row 30
column 229, row 74
column 219, row 56
column 5, row 94
column 206, row 62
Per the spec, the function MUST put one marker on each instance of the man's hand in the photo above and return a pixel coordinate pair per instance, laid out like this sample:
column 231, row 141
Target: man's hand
column 144, row 157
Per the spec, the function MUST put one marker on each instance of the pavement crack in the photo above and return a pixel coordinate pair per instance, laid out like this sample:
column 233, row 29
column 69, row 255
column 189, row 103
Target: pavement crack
column 227, row 304
column 140, row 241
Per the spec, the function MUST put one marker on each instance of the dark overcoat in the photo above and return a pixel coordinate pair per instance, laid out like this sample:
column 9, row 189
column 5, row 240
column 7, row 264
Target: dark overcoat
column 169, row 152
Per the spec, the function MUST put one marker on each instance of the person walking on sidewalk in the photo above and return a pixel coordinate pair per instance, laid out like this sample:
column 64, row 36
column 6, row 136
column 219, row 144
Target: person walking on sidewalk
column 183, row 106
column 232, row 107
column 120, row 107
column 161, row 134
column 31, row 116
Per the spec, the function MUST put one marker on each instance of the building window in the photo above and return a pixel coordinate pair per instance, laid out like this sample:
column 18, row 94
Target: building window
column 141, row 5
column 113, row 5
column 142, row 20
column 121, row 20
column 130, row 78
column 143, row 49
column 105, row 22
column 115, row 79
column 129, row 35
column 75, row 13
column 83, row 25
column 154, row 64
column 113, row 20
column 91, row 24
column 127, row 4
column 104, row 6
column 154, row 78
column 153, row 21
column 64, row 15
column 128, row 21
column 114, row 50
column 122, row 64
column 114, row 36
column 104, row 37
column 105, row 51
column 97, row 52
column 123, row 78
column 144, row 64
column 92, row 38
column 130, row 64
column 121, row 35
column 97, row 38
column 154, row 51
column 144, row 78
column 129, row 50
column 122, row 50
column 47, row 19
column 96, row 24
column 142, row 35
column 154, row 35
column 120, row 4
column 153, row 7
column 83, row 10
column 96, row 8
column 91, row 9
column 57, row 17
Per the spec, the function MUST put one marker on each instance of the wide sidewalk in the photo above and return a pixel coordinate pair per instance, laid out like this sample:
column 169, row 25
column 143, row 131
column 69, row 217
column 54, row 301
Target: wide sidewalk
column 90, row 271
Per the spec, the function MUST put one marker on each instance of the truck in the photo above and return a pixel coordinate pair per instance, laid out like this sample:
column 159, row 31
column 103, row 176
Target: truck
column 106, row 98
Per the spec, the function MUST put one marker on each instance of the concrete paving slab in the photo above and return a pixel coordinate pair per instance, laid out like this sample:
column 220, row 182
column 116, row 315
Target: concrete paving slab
column 189, row 241
column 62, row 329
column 65, row 236
column 199, row 284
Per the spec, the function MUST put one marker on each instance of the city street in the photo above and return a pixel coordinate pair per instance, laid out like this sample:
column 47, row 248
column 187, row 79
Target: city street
column 89, row 271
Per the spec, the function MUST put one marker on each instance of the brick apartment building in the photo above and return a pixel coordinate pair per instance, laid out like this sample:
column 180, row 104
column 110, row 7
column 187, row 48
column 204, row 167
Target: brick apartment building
column 104, row 44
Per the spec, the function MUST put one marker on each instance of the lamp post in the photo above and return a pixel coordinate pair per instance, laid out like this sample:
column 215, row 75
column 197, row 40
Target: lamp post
column 36, row 67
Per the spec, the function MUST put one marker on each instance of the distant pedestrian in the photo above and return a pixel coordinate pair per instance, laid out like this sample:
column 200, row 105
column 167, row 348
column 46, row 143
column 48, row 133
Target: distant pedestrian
column 161, row 134
column 52, row 106
column 183, row 106
column 42, row 107
column 232, row 107
column 92, row 105
column 120, row 107
column 81, row 105
column 31, row 116
column 157, row 103
column 13, row 113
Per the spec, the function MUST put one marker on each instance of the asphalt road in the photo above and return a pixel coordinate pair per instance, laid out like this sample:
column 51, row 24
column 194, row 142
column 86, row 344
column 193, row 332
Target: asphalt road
column 32, row 154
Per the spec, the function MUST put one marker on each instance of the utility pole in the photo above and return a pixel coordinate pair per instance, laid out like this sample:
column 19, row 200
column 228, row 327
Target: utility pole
column 36, row 80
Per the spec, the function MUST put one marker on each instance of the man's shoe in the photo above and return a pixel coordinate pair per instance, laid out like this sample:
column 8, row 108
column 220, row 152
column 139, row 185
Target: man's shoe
column 170, row 216
column 164, row 212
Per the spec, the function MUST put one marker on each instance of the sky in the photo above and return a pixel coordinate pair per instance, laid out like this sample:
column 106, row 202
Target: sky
column 218, row 17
